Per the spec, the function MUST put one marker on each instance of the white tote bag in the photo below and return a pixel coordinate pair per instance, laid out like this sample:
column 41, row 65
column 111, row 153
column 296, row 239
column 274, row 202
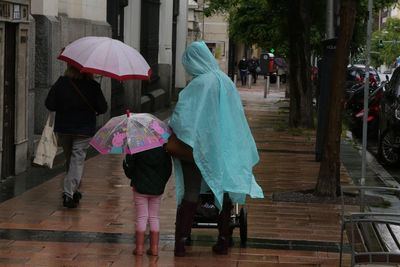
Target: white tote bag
column 47, row 147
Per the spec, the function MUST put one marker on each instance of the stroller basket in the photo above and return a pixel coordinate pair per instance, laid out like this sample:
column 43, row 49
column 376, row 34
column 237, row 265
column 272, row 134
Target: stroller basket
column 207, row 216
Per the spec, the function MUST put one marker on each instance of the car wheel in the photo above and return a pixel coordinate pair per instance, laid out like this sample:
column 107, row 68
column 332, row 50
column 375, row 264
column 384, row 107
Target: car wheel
column 386, row 151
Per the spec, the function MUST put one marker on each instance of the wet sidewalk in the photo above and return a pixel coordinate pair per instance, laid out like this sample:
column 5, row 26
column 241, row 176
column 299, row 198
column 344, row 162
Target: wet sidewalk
column 35, row 230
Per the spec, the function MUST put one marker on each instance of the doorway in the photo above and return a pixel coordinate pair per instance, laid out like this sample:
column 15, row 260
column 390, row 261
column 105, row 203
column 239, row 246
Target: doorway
column 115, row 17
column 149, row 40
column 8, row 160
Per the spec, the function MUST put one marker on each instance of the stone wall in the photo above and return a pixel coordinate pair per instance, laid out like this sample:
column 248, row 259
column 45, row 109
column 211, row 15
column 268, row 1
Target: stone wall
column 31, row 85
column 52, row 34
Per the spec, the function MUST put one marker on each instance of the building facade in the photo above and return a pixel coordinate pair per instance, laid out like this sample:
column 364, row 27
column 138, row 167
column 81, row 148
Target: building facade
column 215, row 34
column 147, row 26
column 212, row 30
column 33, row 33
column 58, row 23
column 181, row 78
column 16, row 79
column 389, row 12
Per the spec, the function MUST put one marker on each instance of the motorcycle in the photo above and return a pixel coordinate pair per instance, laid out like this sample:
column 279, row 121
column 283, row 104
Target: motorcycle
column 355, row 110
column 358, row 87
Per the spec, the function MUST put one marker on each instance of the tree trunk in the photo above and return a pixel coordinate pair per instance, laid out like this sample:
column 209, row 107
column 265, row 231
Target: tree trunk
column 329, row 173
column 301, row 111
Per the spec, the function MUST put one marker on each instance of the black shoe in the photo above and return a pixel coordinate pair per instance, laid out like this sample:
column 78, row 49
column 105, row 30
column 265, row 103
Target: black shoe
column 77, row 196
column 69, row 202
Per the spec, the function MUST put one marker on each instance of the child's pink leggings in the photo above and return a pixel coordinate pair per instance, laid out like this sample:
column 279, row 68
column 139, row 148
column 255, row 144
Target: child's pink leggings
column 147, row 209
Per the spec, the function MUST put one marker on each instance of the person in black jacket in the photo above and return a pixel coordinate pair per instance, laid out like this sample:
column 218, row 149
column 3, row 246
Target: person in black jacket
column 243, row 70
column 77, row 99
column 149, row 172
column 253, row 65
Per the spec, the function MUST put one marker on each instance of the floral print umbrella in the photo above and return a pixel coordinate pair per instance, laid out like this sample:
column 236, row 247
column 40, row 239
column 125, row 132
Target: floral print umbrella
column 130, row 134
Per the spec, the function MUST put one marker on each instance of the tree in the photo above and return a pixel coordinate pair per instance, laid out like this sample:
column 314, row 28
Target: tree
column 329, row 172
column 386, row 43
column 271, row 22
column 301, row 110
column 266, row 23
column 328, row 183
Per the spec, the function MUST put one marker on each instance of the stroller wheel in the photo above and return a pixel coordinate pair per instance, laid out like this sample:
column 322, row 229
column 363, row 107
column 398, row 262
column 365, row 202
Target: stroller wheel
column 243, row 226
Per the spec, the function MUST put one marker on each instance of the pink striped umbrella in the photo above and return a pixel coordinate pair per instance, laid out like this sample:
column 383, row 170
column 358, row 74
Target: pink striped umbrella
column 107, row 57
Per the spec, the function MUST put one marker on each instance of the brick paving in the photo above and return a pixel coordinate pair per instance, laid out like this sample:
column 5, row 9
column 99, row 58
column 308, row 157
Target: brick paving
column 286, row 164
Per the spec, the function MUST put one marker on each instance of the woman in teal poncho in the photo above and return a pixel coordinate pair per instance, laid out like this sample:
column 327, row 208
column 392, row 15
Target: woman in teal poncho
column 212, row 142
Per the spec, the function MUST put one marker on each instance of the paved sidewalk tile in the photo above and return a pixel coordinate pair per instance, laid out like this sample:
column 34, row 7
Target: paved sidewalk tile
column 286, row 164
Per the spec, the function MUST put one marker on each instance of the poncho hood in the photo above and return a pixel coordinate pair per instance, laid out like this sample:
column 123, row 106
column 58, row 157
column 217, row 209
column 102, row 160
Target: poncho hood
column 198, row 60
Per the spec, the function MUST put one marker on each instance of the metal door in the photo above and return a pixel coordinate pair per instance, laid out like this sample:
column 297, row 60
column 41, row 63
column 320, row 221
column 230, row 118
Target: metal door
column 115, row 17
column 149, row 38
column 8, row 161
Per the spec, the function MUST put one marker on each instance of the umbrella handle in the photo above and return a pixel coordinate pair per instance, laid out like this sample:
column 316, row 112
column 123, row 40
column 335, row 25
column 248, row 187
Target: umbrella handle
column 128, row 113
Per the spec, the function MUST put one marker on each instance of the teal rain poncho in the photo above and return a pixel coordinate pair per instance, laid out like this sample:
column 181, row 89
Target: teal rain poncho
column 209, row 117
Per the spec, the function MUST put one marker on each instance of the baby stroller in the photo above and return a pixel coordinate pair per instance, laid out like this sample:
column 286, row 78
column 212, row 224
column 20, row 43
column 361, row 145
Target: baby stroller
column 207, row 217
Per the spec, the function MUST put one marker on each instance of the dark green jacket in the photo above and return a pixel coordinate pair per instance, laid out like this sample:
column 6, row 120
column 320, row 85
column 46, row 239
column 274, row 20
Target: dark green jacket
column 149, row 170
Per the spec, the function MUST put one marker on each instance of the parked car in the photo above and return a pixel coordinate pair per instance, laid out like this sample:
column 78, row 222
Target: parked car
column 389, row 122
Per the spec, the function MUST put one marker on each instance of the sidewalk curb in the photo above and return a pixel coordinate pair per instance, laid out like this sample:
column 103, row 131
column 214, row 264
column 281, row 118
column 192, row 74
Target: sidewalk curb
column 386, row 178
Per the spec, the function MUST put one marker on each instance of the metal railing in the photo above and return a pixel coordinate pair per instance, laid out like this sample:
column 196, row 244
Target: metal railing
column 355, row 219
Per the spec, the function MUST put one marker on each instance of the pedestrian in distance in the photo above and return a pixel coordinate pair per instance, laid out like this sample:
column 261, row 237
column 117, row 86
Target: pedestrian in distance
column 149, row 172
column 253, row 65
column 76, row 99
column 243, row 69
column 212, row 144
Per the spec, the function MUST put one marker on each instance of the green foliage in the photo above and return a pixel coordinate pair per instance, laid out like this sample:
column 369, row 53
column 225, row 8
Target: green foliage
column 360, row 29
column 386, row 43
column 380, row 4
column 220, row 6
column 264, row 22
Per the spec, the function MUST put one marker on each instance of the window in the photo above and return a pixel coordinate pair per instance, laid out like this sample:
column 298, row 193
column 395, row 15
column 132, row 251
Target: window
column 17, row 12
column 5, row 10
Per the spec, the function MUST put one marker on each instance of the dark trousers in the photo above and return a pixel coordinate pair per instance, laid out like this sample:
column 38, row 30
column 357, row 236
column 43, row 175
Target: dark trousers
column 243, row 76
column 192, row 181
column 254, row 74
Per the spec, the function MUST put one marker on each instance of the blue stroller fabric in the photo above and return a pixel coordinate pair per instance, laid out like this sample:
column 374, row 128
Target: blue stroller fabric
column 209, row 117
